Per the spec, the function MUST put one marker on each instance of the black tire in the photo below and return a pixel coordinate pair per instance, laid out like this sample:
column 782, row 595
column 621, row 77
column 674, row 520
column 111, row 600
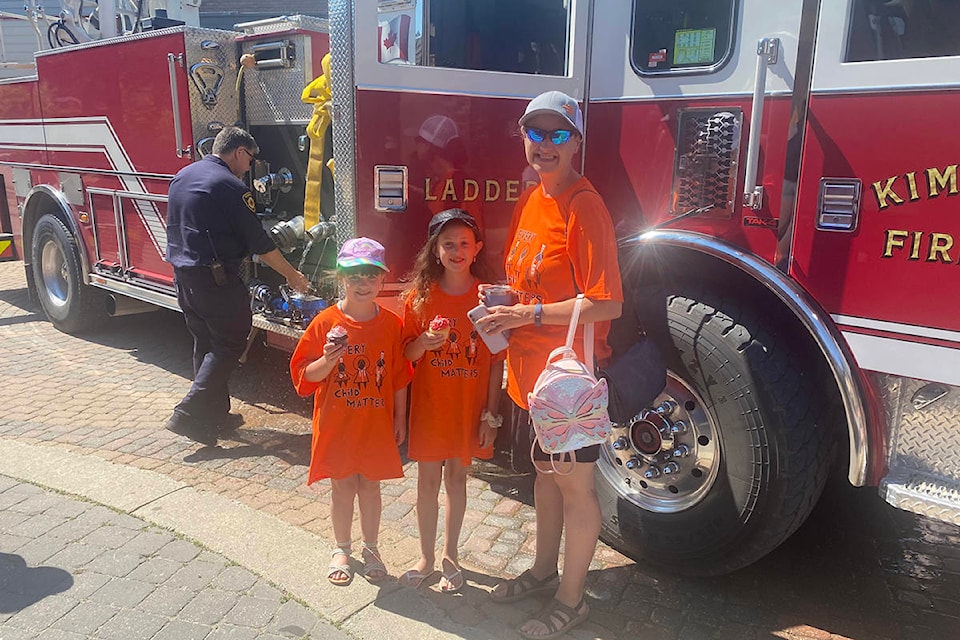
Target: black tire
column 755, row 416
column 70, row 305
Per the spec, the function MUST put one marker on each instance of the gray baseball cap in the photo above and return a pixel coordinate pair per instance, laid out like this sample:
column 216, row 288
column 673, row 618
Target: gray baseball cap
column 555, row 102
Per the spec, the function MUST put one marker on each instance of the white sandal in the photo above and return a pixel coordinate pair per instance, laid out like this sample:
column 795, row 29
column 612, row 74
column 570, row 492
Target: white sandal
column 374, row 564
column 342, row 549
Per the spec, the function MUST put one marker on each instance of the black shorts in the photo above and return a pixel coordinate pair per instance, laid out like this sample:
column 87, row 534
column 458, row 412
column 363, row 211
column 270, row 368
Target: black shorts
column 587, row 454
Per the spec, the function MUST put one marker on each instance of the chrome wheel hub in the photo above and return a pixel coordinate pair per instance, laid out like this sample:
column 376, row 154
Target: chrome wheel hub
column 53, row 265
column 666, row 458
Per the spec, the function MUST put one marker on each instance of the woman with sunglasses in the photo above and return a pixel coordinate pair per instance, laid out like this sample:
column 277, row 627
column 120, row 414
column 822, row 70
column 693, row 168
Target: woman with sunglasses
column 561, row 243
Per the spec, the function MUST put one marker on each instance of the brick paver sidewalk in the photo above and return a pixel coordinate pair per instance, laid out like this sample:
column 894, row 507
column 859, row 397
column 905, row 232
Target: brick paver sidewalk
column 71, row 569
column 109, row 393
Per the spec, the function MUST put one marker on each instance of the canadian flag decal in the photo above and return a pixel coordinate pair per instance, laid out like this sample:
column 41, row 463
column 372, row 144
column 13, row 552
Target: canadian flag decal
column 394, row 38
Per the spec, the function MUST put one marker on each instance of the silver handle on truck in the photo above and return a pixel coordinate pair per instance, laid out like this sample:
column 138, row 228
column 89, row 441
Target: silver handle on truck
column 767, row 53
column 273, row 55
column 175, row 60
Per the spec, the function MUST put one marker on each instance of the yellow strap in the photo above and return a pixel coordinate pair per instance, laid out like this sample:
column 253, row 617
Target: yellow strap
column 318, row 94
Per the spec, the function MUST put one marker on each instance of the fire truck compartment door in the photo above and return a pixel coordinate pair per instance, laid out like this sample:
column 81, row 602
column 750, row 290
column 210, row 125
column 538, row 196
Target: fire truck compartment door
column 471, row 70
column 689, row 49
column 662, row 70
column 883, row 102
column 440, row 86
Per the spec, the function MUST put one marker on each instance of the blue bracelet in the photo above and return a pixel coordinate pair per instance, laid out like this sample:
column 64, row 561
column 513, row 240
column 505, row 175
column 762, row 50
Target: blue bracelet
column 538, row 314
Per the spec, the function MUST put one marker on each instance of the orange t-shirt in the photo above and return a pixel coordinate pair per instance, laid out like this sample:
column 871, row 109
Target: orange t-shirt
column 449, row 390
column 353, row 406
column 551, row 243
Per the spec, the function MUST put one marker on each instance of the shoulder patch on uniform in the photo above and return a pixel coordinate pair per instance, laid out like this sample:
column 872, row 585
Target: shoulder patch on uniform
column 249, row 201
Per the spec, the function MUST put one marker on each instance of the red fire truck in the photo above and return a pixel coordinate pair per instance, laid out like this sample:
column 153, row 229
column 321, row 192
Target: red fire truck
column 784, row 178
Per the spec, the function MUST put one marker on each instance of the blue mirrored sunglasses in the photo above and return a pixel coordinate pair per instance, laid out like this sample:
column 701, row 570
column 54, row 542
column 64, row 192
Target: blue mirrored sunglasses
column 557, row 136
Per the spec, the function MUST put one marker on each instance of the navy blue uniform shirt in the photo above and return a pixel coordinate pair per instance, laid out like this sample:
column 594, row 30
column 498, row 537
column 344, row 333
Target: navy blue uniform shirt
column 205, row 197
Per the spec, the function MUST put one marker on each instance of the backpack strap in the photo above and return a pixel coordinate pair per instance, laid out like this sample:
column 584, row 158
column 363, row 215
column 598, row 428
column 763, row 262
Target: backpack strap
column 587, row 333
column 565, row 213
column 574, row 320
column 572, row 455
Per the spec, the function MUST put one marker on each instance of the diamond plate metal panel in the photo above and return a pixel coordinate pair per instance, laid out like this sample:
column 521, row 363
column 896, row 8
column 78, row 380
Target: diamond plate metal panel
column 924, row 446
column 260, row 322
column 344, row 117
column 217, row 48
column 922, row 439
column 272, row 95
column 284, row 23
column 921, row 493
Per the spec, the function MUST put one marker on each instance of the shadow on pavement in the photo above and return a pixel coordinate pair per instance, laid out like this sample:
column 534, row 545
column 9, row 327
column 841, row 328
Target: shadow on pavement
column 856, row 569
column 22, row 586
column 161, row 339
column 824, row 578
column 503, row 481
column 18, row 298
column 9, row 322
column 294, row 449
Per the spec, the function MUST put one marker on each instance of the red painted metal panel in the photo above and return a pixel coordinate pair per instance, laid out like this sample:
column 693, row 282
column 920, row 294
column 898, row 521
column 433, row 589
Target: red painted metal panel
column 484, row 175
column 8, row 207
column 19, row 100
column 144, row 252
column 107, row 244
column 109, row 107
column 319, row 46
column 19, row 141
column 895, row 143
column 631, row 148
column 125, row 85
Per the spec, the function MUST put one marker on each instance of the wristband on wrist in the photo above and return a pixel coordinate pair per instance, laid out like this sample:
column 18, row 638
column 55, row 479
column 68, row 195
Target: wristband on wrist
column 495, row 422
column 538, row 314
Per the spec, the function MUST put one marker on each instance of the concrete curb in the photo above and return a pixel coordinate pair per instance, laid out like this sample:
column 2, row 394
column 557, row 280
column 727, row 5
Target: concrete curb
column 291, row 558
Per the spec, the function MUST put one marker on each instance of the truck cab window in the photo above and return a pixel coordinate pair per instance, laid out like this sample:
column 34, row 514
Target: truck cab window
column 671, row 36
column 883, row 30
column 515, row 36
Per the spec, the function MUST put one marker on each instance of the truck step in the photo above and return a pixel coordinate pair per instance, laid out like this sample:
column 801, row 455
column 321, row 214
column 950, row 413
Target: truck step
column 926, row 494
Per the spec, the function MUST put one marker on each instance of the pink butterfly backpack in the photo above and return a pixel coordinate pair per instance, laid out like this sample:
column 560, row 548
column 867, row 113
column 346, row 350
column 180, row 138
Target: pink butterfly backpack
column 568, row 405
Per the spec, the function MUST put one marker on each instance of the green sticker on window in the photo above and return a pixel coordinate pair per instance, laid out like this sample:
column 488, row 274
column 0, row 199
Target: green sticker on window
column 694, row 46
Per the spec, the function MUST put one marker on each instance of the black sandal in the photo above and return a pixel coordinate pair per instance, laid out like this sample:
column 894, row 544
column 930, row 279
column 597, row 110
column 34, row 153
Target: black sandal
column 526, row 585
column 558, row 618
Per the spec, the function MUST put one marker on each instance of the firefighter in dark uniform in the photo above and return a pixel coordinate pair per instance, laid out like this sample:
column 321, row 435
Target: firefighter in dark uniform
column 211, row 229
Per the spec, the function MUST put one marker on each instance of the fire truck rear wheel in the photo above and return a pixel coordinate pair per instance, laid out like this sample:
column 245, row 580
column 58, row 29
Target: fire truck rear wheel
column 736, row 452
column 70, row 305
